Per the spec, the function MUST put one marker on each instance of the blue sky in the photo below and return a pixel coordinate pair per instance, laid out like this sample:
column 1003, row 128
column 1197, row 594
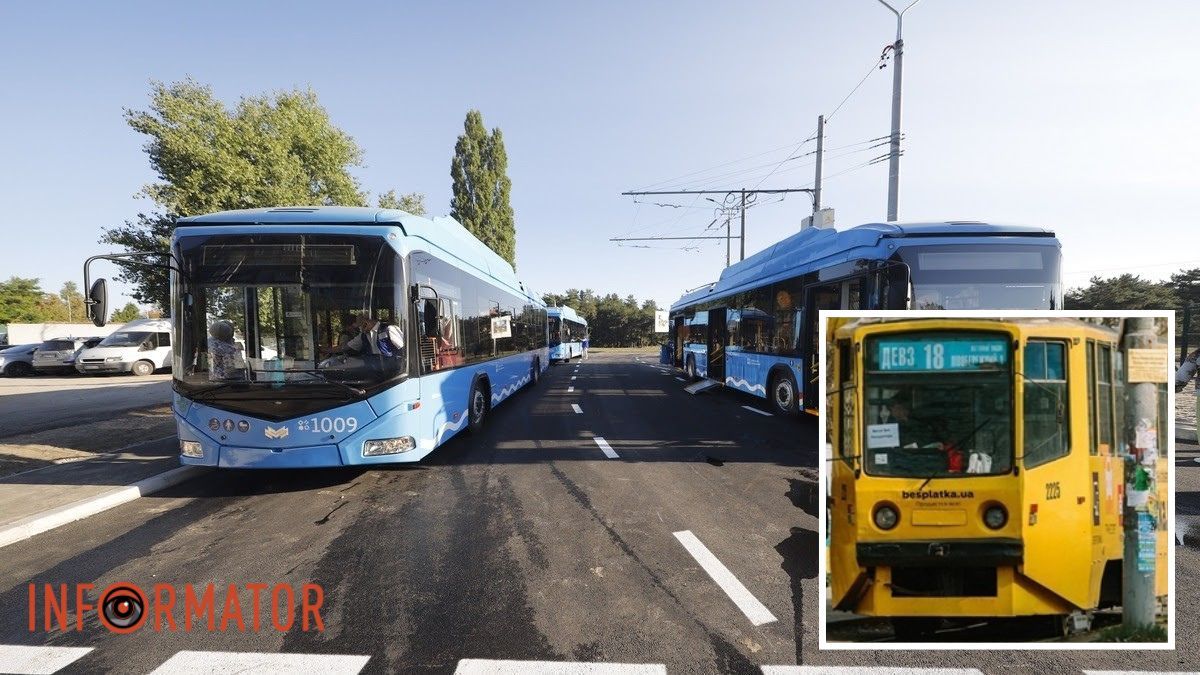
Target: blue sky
column 1080, row 116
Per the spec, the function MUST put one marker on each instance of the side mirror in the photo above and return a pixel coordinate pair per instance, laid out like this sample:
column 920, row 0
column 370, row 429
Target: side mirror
column 431, row 328
column 98, row 302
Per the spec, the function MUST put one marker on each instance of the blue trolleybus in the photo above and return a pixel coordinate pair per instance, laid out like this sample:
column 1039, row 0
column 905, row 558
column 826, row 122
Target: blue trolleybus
column 568, row 333
column 315, row 337
column 755, row 329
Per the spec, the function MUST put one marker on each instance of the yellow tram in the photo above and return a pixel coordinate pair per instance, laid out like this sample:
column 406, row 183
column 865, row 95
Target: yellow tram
column 976, row 470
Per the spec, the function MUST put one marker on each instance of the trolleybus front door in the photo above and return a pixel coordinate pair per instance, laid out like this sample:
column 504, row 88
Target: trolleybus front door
column 717, row 337
column 678, row 341
column 825, row 296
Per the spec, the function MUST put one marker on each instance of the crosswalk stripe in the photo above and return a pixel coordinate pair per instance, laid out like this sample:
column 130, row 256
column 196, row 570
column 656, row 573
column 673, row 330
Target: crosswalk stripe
column 500, row 667
column 865, row 670
column 257, row 663
column 22, row 660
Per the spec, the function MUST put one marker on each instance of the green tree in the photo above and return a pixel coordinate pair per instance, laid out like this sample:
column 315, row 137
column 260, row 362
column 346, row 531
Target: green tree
column 269, row 150
column 21, row 301
column 413, row 202
column 481, row 187
column 1128, row 291
column 73, row 302
column 126, row 314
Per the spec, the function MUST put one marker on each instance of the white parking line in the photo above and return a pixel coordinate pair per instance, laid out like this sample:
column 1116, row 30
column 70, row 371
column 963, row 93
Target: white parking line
column 760, row 412
column 576, row 408
column 866, row 670
column 606, row 448
column 38, row 660
column 482, row 666
column 570, row 389
column 208, row 663
column 739, row 594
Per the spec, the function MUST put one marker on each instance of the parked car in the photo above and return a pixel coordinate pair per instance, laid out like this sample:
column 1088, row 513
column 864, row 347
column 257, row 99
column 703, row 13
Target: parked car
column 139, row 347
column 58, row 355
column 17, row 361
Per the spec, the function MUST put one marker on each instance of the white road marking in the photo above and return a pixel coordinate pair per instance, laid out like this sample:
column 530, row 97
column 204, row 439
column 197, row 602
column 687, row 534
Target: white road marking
column 1134, row 672
column 681, row 379
column 482, row 666
column 570, row 389
column 576, row 408
column 866, row 670
column 739, row 594
column 606, row 448
column 223, row 663
column 38, row 660
column 760, row 412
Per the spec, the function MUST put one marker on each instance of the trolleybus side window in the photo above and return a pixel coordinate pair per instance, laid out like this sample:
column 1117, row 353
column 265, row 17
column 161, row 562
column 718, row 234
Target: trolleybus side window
column 1046, row 422
column 789, row 314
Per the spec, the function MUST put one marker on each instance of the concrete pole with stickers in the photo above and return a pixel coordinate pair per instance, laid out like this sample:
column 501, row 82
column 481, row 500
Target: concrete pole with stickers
column 1142, row 361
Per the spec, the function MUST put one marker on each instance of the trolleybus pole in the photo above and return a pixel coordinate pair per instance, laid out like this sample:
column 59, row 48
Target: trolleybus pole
column 1138, row 601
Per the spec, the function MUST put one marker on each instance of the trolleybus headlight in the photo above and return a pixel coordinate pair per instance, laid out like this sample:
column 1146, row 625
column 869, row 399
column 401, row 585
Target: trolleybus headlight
column 190, row 449
column 995, row 516
column 886, row 516
column 388, row 446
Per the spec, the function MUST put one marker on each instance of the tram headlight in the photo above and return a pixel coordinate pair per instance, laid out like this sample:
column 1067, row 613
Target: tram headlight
column 995, row 516
column 886, row 516
column 388, row 446
column 191, row 449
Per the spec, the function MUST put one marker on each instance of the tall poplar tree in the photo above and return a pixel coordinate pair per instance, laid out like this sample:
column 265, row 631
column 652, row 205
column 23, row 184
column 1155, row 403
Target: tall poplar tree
column 481, row 187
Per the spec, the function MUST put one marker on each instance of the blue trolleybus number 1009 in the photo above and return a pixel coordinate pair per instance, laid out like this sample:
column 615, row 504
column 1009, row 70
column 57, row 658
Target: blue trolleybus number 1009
column 969, row 354
column 325, row 425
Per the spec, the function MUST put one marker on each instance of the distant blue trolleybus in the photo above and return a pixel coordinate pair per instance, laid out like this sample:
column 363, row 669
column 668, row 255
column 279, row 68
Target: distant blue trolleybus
column 316, row 337
column 568, row 333
column 755, row 329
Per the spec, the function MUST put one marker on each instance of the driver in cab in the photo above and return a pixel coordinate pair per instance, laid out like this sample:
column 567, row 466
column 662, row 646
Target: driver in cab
column 921, row 433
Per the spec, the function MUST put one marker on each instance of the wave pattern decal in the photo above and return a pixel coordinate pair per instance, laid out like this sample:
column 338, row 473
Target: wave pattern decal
column 738, row 383
column 508, row 391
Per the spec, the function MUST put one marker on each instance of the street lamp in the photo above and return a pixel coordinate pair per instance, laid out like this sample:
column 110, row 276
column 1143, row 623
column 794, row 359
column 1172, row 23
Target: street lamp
column 894, row 161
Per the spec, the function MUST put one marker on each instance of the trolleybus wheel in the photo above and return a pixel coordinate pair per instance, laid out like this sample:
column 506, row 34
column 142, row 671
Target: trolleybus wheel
column 535, row 372
column 784, row 394
column 914, row 629
column 477, row 406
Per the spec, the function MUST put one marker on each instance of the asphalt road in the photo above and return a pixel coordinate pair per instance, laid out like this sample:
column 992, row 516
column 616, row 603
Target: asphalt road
column 525, row 542
column 39, row 402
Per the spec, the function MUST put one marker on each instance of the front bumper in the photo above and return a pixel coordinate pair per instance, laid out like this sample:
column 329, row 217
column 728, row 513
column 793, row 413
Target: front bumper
column 97, row 368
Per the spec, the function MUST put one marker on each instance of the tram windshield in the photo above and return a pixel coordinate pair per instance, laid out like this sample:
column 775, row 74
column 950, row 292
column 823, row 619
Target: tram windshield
column 289, row 310
column 938, row 404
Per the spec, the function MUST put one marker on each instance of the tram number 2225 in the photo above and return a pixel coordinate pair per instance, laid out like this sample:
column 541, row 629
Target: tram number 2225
column 1053, row 490
column 325, row 425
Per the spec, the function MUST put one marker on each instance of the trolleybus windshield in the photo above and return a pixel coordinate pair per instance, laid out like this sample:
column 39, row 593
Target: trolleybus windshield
column 938, row 404
column 290, row 311
column 984, row 277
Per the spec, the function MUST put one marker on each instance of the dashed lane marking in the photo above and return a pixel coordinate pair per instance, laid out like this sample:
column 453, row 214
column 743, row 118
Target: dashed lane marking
column 576, row 408
column 222, row 663
column 681, row 379
column 756, row 410
column 739, row 594
column 606, row 448
column 481, row 666
column 572, row 377
column 38, row 660
column 864, row 670
column 570, row 389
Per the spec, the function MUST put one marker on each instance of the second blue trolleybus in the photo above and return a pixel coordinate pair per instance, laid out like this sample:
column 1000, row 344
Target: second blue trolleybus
column 568, row 333
column 755, row 329
column 314, row 337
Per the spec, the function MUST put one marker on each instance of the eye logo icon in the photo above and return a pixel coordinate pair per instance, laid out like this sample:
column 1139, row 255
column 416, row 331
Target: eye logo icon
column 122, row 608
column 272, row 432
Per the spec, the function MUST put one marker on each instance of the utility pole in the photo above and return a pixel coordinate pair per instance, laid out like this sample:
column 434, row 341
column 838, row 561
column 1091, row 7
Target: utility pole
column 897, row 75
column 816, row 198
column 728, row 251
column 727, row 193
column 1141, row 508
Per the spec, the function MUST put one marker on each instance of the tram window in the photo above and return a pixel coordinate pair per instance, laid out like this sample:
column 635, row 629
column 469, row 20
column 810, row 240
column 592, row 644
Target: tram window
column 1091, row 393
column 846, row 388
column 1104, row 399
column 1046, row 423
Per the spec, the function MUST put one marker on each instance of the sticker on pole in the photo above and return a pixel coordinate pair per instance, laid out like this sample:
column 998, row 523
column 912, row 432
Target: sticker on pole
column 1147, row 541
column 1148, row 365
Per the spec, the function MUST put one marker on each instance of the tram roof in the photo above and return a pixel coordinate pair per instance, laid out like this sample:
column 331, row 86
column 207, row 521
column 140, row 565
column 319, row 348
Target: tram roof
column 566, row 312
column 1031, row 322
column 443, row 232
column 815, row 244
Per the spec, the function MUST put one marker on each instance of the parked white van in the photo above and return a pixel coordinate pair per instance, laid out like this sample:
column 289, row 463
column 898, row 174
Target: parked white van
column 139, row 347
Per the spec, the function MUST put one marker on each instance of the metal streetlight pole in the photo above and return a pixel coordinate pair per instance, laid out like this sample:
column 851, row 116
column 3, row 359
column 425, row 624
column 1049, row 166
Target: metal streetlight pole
column 897, row 74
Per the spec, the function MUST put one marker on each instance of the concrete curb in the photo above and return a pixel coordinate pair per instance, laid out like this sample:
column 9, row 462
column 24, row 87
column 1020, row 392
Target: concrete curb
column 43, row 522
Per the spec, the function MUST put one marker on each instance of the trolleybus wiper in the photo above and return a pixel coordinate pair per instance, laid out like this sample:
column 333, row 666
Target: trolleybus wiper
column 322, row 377
column 205, row 394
